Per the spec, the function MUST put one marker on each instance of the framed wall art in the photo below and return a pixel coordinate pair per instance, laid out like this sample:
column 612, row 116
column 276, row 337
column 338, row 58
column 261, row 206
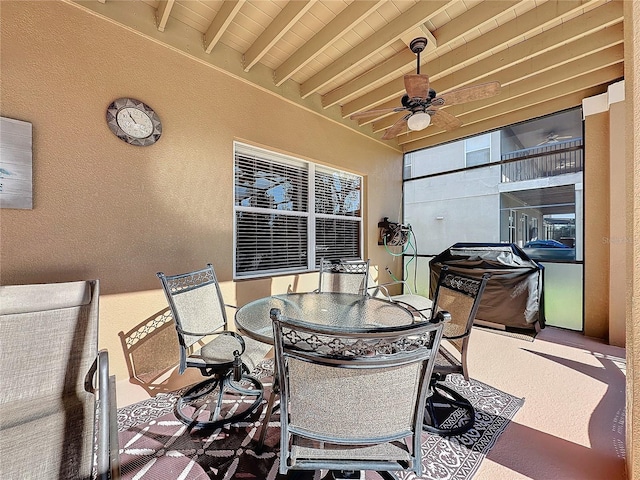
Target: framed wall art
column 16, row 156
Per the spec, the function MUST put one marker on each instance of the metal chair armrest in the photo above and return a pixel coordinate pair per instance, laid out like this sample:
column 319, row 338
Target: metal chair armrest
column 384, row 288
column 107, row 458
column 379, row 289
column 441, row 316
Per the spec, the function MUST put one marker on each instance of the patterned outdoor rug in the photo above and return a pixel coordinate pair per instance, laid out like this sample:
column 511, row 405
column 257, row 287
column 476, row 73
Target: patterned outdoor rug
column 155, row 445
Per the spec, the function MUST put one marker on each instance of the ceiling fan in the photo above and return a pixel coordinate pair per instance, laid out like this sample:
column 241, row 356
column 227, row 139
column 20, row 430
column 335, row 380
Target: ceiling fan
column 423, row 104
column 554, row 138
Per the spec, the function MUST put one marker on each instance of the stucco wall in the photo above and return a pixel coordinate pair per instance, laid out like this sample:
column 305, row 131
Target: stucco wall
column 618, row 241
column 632, row 164
column 596, row 230
column 108, row 210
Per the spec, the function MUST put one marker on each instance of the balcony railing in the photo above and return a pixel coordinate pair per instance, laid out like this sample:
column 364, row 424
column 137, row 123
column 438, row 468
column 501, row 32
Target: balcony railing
column 543, row 161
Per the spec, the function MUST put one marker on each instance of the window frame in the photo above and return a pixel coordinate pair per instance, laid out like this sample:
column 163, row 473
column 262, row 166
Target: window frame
column 313, row 170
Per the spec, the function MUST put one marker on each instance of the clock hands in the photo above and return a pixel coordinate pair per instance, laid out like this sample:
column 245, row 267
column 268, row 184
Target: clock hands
column 132, row 119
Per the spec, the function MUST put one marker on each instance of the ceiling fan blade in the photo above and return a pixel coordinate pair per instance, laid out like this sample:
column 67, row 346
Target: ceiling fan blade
column 554, row 138
column 469, row 94
column 394, row 130
column 442, row 119
column 379, row 111
column 417, row 86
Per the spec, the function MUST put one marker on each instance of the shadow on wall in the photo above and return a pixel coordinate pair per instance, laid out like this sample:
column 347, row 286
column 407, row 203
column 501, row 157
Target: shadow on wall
column 151, row 351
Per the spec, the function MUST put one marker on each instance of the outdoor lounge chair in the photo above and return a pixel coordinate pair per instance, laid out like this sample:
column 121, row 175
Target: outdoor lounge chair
column 207, row 344
column 57, row 402
column 337, row 388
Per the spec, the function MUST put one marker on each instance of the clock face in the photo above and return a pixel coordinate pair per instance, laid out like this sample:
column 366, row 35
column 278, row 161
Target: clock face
column 134, row 122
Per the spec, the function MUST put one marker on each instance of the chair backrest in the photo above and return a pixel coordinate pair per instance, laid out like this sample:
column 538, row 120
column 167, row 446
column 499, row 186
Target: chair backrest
column 49, row 343
column 459, row 295
column 344, row 276
column 350, row 387
column 196, row 304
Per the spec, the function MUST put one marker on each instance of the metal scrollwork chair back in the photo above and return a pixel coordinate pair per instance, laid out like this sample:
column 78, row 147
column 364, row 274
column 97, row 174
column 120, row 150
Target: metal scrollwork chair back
column 336, row 390
column 206, row 343
column 458, row 297
column 344, row 276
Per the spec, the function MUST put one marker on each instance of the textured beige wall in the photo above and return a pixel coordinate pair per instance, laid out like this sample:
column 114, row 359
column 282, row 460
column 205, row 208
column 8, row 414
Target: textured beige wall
column 617, row 240
column 104, row 209
column 596, row 229
column 632, row 95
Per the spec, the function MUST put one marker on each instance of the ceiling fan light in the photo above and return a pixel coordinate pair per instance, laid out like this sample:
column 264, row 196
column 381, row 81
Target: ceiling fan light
column 419, row 121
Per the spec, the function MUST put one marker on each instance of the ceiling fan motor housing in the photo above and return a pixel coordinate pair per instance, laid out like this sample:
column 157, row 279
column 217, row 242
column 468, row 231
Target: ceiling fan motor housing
column 417, row 45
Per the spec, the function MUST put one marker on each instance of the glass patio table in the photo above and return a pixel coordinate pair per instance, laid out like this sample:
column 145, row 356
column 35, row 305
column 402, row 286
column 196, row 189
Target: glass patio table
column 340, row 311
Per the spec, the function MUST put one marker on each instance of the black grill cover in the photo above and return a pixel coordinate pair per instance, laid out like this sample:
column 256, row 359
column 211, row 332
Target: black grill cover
column 513, row 295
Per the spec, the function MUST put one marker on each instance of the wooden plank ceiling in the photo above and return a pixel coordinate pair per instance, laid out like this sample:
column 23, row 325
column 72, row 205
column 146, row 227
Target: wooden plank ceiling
column 341, row 57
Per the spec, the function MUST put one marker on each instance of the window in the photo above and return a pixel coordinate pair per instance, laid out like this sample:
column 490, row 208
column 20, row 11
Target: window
column 477, row 150
column 289, row 213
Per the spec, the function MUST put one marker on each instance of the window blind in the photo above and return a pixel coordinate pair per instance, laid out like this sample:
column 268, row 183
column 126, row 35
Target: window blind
column 289, row 213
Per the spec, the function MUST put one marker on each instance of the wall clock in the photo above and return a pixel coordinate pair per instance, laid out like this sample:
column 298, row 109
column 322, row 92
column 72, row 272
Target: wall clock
column 134, row 122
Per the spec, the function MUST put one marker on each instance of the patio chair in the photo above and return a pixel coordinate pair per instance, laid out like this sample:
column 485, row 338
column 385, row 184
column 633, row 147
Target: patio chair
column 458, row 296
column 343, row 276
column 352, row 401
column 57, row 402
column 207, row 344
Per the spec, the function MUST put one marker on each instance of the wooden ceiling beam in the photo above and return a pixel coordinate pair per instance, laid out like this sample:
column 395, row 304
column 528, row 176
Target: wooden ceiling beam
column 288, row 16
column 416, row 15
column 221, row 22
column 526, row 25
column 341, row 24
column 360, row 83
column 566, row 33
column 163, row 12
column 458, row 27
column 474, row 18
column 535, row 52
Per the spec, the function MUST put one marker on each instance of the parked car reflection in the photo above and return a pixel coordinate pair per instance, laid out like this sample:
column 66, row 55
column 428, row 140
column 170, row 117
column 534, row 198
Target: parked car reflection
column 549, row 250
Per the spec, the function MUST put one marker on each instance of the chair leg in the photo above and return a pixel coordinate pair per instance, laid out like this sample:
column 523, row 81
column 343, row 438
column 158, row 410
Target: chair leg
column 267, row 417
column 439, row 407
column 218, row 401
